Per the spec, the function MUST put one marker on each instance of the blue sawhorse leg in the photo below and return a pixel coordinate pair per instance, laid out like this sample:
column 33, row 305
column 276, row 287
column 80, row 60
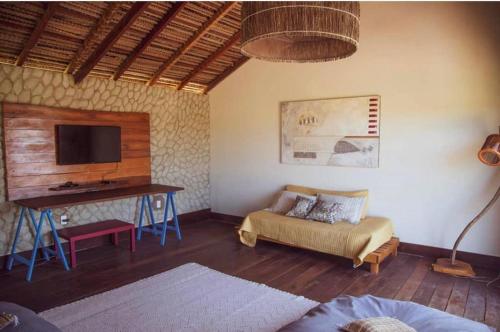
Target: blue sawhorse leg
column 169, row 202
column 141, row 219
column 176, row 220
column 38, row 234
column 10, row 261
column 146, row 200
column 60, row 252
column 163, row 240
column 41, row 244
column 151, row 215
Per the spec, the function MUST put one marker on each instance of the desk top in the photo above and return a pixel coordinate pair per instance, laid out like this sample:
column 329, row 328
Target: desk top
column 60, row 201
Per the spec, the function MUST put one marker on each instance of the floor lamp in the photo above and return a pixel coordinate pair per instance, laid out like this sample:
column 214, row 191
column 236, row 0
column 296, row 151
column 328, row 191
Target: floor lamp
column 490, row 155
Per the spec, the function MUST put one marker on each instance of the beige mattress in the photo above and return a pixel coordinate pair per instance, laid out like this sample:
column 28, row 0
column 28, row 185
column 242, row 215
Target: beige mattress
column 341, row 238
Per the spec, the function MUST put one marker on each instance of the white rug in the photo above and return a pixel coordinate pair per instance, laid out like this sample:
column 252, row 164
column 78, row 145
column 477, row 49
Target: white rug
column 191, row 297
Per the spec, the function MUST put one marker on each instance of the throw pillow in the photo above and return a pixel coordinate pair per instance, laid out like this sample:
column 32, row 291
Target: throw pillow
column 315, row 191
column 302, row 207
column 352, row 207
column 325, row 212
column 285, row 201
column 378, row 324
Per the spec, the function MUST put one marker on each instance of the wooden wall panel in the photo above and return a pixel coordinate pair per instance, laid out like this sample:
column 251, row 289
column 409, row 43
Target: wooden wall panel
column 30, row 150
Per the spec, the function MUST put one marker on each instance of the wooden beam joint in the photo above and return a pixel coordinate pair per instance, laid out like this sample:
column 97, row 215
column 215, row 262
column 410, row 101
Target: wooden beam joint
column 226, row 8
column 230, row 43
column 91, row 37
column 50, row 9
column 155, row 32
column 120, row 28
column 226, row 73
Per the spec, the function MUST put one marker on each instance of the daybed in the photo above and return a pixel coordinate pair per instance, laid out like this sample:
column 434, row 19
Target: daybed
column 369, row 241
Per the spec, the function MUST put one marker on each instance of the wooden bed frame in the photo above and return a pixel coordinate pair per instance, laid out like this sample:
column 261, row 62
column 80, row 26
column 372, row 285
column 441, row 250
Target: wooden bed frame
column 375, row 258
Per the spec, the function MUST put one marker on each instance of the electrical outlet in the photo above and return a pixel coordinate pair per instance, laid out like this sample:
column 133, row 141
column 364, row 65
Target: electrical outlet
column 157, row 202
column 64, row 219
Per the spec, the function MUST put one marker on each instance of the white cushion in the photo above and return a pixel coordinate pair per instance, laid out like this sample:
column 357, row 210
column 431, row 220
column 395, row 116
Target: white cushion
column 285, row 201
column 352, row 207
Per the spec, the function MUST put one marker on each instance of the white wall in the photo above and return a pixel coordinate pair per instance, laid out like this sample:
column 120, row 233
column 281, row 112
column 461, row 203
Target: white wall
column 437, row 69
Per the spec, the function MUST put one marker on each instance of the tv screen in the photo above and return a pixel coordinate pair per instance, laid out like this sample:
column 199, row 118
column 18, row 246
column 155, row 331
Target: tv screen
column 88, row 144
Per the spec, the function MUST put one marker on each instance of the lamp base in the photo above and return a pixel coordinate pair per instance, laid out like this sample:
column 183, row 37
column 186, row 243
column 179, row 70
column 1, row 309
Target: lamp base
column 460, row 268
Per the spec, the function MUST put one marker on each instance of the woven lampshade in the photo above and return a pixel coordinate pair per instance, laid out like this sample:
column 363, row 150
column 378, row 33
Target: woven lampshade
column 490, row 152
column 301, row 31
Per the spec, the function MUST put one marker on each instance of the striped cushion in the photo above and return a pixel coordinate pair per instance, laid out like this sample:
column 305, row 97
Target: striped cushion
column 314, row 191
column 352, row 207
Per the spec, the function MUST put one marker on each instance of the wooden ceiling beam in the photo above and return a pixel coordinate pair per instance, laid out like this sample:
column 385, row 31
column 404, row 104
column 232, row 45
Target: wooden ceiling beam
column 92, row 36
column 118, row 30
column 226, row 8
column 75, row 14
column 230, row 43
column 49, row 11
column 155, row 32
column 226, row 73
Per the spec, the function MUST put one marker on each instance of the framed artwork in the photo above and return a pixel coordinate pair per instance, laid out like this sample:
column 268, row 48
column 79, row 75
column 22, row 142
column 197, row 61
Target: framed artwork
column 332, row 132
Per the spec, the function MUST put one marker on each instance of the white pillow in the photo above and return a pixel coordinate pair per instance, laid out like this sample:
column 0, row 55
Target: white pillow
column 285, row 201
column 352, row 207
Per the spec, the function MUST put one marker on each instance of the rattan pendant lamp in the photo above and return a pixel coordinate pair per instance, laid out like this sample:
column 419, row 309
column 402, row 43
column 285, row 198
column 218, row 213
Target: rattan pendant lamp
column 489, row 155
column 299, row 31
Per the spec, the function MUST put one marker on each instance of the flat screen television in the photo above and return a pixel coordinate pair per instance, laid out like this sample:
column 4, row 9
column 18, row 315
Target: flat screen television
column 76, row 144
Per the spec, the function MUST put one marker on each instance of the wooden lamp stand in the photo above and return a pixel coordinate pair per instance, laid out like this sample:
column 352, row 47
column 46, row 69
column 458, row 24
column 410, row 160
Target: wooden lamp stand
column 454, row 266
column 490, row 155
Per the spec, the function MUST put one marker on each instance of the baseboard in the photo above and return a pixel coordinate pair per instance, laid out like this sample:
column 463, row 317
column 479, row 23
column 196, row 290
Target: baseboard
column 227, row 218
column 477, row 260
column 184, row 218
column 195, row 215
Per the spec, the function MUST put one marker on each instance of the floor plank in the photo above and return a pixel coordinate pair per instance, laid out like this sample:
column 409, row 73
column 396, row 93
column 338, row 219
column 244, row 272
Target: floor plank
column 314, row 275
column 392, row 283
column 442, row 292
column 475, row 307
column 411, row 285
column 426, row 289
column 492, row 314
column 331, row 283
column 458, row 297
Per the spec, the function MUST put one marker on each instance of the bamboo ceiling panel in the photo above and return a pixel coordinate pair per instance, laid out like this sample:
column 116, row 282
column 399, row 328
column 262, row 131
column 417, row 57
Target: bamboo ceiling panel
column 190, row 46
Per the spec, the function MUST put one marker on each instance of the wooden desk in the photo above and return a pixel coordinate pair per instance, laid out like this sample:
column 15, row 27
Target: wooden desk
column 61, row 201
column 44, row 205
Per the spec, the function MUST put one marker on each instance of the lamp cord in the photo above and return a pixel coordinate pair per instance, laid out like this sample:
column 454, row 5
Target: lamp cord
column 491, row 282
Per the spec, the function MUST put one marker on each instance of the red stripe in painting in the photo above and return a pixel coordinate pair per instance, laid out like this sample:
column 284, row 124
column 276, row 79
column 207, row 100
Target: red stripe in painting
column 373, row 110
column 372, row 132
column 372, row 121
column 372, row 115
column 373, row 99
column 373, row 104
column 372, row 126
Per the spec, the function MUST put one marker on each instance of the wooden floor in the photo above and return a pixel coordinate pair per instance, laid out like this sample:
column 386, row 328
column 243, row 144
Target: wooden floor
column 313, row 275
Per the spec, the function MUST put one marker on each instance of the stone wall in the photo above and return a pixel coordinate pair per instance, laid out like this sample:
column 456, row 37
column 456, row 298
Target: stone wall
column 179, row 139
